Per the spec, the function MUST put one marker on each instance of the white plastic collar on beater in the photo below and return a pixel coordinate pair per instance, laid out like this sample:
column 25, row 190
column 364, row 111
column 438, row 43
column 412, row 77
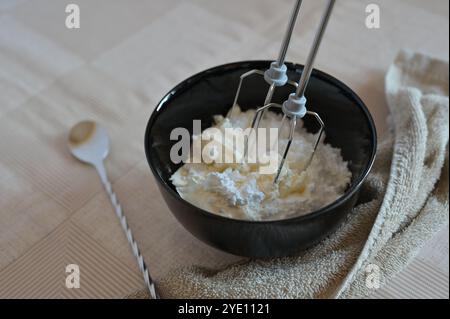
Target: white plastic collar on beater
column 276, row 74
column 295, row 106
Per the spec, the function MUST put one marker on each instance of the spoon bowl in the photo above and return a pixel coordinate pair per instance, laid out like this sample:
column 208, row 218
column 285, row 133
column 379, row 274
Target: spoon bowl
column 89, row 142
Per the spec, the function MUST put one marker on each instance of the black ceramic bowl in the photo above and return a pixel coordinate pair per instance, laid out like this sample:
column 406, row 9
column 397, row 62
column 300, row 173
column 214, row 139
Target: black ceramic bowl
column 349, row 126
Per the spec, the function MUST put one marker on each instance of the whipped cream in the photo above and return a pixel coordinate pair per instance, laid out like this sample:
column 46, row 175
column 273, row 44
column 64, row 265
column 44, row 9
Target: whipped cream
column 239, row 191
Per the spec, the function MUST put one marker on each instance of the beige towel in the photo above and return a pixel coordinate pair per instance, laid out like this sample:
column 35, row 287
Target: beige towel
column 404, row 202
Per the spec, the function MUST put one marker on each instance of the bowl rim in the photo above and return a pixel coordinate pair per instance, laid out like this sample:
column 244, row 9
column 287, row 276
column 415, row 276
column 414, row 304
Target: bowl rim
column 256, row 64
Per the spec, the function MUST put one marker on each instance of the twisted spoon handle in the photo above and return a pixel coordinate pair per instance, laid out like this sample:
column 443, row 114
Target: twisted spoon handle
column 123, row 222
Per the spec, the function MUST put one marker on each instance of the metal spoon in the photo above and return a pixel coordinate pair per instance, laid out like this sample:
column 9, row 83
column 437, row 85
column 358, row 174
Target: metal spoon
column 89, row 143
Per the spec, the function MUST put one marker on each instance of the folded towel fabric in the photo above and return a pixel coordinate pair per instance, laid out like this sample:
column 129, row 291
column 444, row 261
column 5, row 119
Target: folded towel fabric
column 403, row 203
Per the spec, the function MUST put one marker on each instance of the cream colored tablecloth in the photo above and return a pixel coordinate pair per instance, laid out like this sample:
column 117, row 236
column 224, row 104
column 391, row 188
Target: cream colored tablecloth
column 114, row 69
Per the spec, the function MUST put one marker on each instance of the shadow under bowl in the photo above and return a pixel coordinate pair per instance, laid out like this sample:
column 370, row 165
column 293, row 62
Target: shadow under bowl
column 348, row 126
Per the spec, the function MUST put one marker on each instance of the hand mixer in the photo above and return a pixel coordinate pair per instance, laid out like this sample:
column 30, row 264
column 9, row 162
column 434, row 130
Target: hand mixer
column 295, row 106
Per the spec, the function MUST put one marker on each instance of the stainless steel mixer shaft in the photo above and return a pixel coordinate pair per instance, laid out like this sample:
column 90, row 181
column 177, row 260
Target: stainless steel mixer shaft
column 275, row 76
column 306, row 74
column 283, row 50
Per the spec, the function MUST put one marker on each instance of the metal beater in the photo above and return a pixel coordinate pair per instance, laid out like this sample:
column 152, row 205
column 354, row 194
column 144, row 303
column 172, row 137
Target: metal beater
column 275, row 76
column 295, row 106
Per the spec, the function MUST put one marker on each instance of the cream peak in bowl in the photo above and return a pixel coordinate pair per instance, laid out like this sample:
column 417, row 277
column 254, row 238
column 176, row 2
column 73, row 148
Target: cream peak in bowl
column 240, row 190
